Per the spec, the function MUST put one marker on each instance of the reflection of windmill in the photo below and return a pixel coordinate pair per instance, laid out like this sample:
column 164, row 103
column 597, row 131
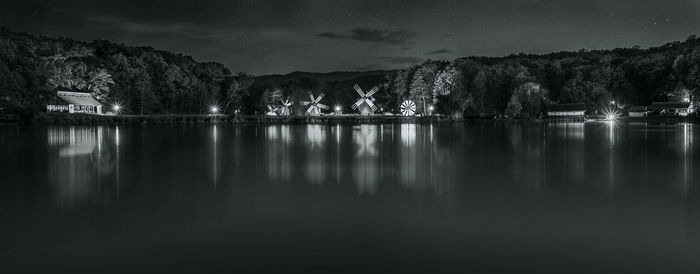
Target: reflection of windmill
column 271, row 111
column 408, row 108
column 315, row 107
column 366, row 102
column 284, row 109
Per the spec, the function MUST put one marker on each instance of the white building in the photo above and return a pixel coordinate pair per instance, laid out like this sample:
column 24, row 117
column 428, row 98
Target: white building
column 76, row 102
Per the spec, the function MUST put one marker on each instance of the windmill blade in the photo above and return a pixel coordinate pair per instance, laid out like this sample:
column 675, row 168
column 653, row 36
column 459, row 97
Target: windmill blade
column 322, row 106
column 320, row 96
column 373, row 91
column 358, row 103
column 308, row 110
column 316, row 110
column 371, row 105
column 312, row 97
column 359, row 90
column 305, row 103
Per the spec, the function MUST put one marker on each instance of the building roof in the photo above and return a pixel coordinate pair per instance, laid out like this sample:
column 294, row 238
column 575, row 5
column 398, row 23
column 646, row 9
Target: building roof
column 77, row 98
column 638, row 109
column 669, row 105
column 566, row 107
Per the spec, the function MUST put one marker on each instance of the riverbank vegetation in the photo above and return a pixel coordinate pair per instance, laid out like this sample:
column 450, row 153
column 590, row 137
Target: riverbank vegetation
column 149, row 81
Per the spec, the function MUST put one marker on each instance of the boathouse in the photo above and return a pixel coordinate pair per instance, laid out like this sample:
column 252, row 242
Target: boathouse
column 76, row 102
column 671, row 108
column 566, row 110
column 638, row 111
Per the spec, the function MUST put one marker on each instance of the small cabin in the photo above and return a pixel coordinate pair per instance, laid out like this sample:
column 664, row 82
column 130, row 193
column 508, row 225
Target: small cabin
column 638, row 111
column 76, row 102
column 671, row 108
column 566, row 110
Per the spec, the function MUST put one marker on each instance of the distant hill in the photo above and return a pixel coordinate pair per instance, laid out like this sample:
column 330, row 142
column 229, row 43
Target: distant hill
column 336, row 76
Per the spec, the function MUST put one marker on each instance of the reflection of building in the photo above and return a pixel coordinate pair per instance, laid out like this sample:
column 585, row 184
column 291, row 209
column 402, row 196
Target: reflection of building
column 76, row 102
column 81, row 165
column 638, row 111
column 566, row 110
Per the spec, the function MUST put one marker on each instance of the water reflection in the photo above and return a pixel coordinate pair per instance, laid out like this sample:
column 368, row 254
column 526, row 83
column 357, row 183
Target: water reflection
column 278, row 152
column 686, row 138
column 316, row 165
column 83, row 164
column 365, row 167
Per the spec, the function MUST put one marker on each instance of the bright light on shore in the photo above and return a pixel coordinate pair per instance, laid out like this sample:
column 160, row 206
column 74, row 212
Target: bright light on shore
column 611, row 114
column 213, row 109
column 116, row 108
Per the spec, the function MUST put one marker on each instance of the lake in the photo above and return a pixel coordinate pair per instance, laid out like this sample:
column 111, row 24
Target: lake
column 599, row 197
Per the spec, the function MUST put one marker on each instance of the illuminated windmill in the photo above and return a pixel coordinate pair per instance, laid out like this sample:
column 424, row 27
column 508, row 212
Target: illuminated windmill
column 408, row 108
column 284, row 109
column 314, row 105
column 366, row 102
column 271, row 111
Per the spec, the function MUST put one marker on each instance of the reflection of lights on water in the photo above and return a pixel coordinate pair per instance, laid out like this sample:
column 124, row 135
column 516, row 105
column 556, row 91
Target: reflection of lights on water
column 279, row 132
column 366, row 174
column 315, row 135
column 215, row 136
column 365, row 138
column 687, row 137
column 316, row 165
column 408, row 134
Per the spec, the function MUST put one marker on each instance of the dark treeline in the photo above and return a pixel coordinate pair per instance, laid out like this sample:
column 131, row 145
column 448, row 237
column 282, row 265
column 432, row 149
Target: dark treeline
column 518, row 85
column 142, row 79
column 150, row 81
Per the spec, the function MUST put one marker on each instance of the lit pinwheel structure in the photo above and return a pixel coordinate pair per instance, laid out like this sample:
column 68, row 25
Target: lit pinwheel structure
column 314, row 105
column 408, row 108
column 284, row 109
column 271, row 111
column 365, row 104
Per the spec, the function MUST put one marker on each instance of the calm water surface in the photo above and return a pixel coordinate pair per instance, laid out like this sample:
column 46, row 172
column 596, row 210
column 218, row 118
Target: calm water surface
column 489, row 197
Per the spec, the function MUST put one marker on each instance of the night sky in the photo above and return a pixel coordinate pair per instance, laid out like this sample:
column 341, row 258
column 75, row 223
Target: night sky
column 264, row 37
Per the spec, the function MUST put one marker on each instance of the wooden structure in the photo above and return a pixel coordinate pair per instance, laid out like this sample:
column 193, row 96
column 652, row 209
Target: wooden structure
column 365, row 105
column 76, row 102
column 566, row 110
column 671, row 108
column 638, row 111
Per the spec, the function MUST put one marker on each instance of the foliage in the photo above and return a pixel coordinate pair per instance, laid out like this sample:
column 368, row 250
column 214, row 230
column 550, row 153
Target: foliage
column 33, row 68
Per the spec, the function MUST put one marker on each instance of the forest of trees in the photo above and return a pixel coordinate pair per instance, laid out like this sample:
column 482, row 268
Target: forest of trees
column 149, row 81
column 521, row 85
column 142, row 79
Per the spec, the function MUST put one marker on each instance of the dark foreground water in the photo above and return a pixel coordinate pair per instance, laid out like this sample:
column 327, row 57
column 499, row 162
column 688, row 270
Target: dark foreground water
column 484, row 197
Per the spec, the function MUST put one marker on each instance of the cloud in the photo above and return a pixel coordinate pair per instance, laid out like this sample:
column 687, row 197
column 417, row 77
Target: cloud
column 392, row 37
column 445, row 37
column 440, row 51
column 400, row 60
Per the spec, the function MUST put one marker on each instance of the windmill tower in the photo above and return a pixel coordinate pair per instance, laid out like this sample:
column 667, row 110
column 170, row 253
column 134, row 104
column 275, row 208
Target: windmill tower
column 314, row 105
column 365, row 104
column 284, row 109
column 271, row 111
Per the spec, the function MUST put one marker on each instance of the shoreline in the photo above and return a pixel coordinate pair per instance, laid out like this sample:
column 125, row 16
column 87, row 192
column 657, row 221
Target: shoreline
column 86, row 119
